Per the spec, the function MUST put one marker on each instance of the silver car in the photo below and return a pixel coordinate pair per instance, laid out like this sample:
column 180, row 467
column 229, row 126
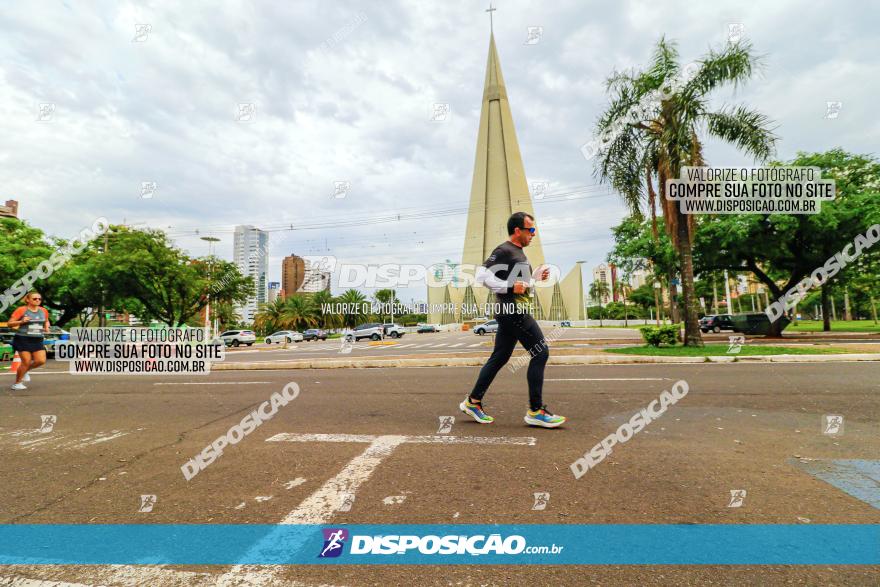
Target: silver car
column 283, row 336
column 487, row 327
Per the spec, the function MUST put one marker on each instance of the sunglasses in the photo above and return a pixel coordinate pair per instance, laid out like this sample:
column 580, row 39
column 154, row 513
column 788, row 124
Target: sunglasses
column 531, row 230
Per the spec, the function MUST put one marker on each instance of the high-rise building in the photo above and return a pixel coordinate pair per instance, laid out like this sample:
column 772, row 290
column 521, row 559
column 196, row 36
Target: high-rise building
column 293, row 272
column 608, row 275
column 10, row 210
column 638, row 278
column 251, row 255
column 316, row 278
column 274, row 291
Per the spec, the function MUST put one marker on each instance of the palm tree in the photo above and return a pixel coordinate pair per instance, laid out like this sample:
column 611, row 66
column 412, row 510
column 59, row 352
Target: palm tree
column 353, row 297
column 270, row 317
column 663, row 137
column 322, row 299
column 598, row 292
column 300, row 312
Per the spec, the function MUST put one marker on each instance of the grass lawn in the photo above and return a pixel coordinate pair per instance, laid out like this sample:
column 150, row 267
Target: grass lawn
column 836, row 326
column 721, row 349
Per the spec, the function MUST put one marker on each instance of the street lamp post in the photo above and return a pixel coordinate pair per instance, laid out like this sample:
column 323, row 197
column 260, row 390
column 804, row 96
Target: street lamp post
column 657, row 287
column 210, row 240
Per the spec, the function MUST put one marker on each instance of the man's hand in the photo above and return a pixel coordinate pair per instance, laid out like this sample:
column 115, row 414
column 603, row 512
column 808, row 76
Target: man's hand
column 519, row 287
column 25, row 319
column 544, row 274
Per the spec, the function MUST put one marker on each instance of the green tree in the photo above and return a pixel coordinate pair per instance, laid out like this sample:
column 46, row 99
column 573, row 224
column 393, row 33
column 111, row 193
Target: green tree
column 659, row 122
column 271, row 317
column 300, row 312
column 782, row 249
column 154, row 280
column 354, row 299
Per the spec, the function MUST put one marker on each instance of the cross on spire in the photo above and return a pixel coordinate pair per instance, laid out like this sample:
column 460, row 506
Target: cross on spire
column 490, row 10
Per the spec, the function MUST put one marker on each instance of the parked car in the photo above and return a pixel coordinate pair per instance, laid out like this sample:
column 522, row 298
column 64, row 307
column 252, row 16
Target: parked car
column 716, row 323
column 427, row 328
column 393, row 330
column 565, row 324
column 371, row 330
column 6, row 352
column 239, row 337
column 486, row 327
column 315, row 334
column 283, row 336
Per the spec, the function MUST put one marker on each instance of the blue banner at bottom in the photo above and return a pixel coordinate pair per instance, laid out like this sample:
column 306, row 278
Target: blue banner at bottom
column 426, row 544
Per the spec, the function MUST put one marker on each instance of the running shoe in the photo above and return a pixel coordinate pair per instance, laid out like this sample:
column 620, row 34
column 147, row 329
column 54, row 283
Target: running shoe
column 18, row 387
column 475, row 411
column 26, row 378
column 543, row 418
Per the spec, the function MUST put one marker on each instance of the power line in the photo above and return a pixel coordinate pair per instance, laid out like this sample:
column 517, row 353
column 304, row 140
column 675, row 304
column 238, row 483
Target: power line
column 419, row 214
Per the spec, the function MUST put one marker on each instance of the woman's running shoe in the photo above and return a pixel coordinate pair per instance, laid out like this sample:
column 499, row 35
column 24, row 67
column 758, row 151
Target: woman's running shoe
column 18, row 387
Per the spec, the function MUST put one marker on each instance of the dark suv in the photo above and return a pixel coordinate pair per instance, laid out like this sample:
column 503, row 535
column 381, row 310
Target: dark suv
column 315, row 334
column 716, row 323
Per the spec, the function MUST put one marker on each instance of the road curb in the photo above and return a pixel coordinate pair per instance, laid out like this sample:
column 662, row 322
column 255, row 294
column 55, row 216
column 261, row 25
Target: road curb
column 559, row 360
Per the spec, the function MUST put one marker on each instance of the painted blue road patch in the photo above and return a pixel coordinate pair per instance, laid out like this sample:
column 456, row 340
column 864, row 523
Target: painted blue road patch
column 857, row 477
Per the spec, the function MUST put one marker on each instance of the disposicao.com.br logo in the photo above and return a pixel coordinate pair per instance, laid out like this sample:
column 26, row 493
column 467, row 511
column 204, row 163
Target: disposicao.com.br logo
column 475, row 545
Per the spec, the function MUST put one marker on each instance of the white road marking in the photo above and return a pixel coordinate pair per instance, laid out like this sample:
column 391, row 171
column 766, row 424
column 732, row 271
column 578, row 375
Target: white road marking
column 394, row 499
column 214, row 383
column 433, row 439
column 452, row 346
column 440, row 345
column 294, row 483
column 262, row 498
column 99, row 439
column 317, row 509
column 475, row 344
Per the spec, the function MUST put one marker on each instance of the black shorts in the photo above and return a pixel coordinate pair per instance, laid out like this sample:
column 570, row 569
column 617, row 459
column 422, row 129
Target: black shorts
column 27, row 344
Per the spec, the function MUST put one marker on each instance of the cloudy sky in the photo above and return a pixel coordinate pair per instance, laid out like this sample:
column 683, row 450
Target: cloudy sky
column 344, row 91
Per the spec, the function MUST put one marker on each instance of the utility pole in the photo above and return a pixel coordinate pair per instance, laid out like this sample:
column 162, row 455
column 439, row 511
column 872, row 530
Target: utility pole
column 209, row 334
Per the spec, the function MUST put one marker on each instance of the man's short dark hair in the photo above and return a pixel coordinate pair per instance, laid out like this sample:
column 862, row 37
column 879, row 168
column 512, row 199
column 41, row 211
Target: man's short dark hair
column 517, row 220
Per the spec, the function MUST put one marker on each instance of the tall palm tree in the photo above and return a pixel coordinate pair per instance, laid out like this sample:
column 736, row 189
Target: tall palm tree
column 664, row 137
column 352, row 298
column 598, row 292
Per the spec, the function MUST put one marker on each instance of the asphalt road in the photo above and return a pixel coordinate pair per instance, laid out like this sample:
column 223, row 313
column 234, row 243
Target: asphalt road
column 742, row 426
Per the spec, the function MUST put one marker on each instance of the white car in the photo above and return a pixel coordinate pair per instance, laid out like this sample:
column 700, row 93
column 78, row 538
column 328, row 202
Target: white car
column 283, row 336
column 490, row 326
column 239, row 337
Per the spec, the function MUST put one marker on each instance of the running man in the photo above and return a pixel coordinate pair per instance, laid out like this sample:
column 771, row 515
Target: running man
column 32, row 323
column 501, row 273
